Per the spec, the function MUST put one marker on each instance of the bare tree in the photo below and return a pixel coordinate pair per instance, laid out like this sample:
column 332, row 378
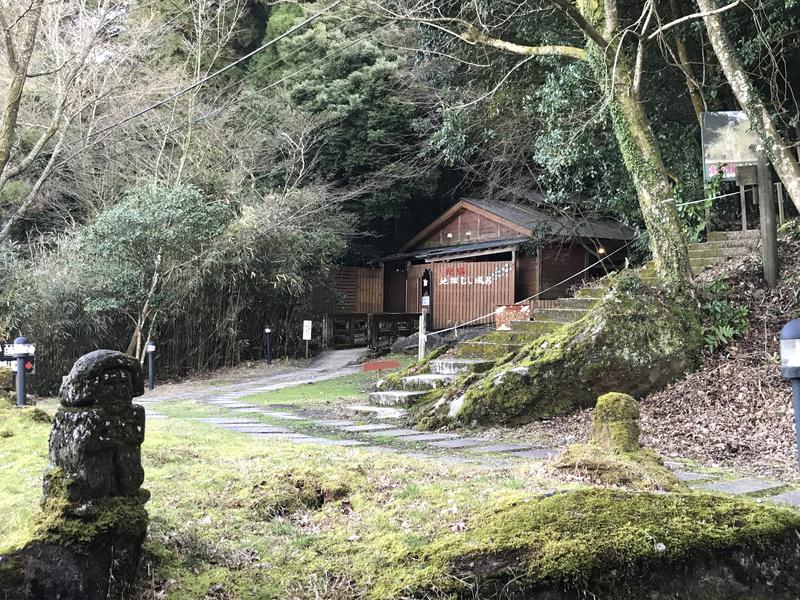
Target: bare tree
column 619, row 72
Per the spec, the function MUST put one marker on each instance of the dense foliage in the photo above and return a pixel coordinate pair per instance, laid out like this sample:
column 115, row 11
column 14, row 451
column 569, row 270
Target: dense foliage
column 198, row 219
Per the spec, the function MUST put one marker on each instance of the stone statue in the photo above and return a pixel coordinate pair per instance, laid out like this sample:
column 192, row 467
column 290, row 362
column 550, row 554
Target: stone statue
column 86, row 540
column 98, row 432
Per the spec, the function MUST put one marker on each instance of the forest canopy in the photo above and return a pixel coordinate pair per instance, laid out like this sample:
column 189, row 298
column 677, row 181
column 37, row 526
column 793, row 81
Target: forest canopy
column 193, row 170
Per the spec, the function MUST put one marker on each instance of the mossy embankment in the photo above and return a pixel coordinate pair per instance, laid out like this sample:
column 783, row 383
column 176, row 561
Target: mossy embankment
column 636, row 340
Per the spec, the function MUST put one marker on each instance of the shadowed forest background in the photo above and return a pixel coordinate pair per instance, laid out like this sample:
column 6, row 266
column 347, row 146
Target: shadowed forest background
column 145, row 194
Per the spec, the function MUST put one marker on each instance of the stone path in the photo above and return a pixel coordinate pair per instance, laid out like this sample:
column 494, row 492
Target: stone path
column 448, row 447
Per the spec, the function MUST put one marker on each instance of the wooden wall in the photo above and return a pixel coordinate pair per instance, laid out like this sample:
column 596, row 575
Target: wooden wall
column 558, row 263
column 460, row 291
column 360, row 289
column 467, row 222
column 527, row 280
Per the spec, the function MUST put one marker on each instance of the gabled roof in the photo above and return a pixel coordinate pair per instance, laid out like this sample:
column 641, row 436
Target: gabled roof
column 461, row 250
column 524, row 219
column 535, row 218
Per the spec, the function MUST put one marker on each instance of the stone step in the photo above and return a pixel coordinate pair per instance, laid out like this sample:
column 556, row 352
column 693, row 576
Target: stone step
column 698, row 264
column 394, row 397
column 512, row 336
column 591, row 292
column 452, row 366
column 558, row 315
column 717, row 236
column 699, row 252
column 735, row 243
column 478, row 349
column 581, row 303
column 426, row 381
column 533, row 327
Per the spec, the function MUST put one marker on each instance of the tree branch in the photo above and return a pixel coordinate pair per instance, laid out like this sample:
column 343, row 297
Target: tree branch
column 697, row 15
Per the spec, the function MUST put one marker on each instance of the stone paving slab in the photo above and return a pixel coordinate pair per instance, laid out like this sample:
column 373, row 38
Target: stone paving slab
column 746, row 485
column 374, row 427
column 231, row 406
column 791, row 498
column 246, row 409
column 342, row 443
column 428, row 437
column 690, row 476
column 333, row 422
column 228, row 421
column 537, row 453
column 394, row 432
column 155, row 416
column 379, row 412
column 502, row 448
column 459, row 443
column 256, row 428
column 281, row 416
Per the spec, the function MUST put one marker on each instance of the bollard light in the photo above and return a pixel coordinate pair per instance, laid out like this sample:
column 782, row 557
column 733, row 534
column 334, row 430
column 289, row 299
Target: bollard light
column 22, row 350
column 150, row 348
column 268, row 345
column 790, row 369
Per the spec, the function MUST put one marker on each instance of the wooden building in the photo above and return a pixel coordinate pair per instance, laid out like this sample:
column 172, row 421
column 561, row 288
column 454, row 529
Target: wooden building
column 481, row 254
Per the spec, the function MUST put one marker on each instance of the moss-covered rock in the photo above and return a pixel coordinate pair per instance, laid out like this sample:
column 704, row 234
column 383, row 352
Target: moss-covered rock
column 633, row 341
column 615, row 423
column 599, row 543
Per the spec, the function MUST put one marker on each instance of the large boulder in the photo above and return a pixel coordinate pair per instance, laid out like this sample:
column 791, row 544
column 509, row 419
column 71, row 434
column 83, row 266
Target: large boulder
column 634, row 340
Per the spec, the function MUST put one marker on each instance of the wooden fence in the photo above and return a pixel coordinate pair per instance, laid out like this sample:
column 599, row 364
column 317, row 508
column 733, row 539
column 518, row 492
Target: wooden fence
column 360, row 289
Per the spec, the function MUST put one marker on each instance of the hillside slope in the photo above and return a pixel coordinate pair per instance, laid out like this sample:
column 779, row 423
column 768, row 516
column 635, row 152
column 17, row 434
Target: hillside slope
column 735, row 410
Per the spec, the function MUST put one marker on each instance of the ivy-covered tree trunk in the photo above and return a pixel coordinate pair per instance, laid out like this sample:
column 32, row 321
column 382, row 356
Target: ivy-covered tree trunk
column 775, row 147
column 638, row 145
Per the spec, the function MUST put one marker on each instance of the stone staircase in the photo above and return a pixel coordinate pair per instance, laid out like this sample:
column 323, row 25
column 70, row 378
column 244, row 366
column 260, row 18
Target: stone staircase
column 721, row 246
column 480, row 354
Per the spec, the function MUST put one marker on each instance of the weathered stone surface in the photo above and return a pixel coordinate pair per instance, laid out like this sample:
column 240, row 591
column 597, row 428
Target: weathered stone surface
column 615, row 423
column 86, row 539
column 632, row 341
column 102, row 377
column 746, row 485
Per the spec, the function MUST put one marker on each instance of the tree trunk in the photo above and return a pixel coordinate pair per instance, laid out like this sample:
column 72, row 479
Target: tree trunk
column 638, row 146
column 775, row 147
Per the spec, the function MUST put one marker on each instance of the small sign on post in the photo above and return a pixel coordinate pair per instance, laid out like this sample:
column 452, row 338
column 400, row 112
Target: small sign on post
column 307, row 334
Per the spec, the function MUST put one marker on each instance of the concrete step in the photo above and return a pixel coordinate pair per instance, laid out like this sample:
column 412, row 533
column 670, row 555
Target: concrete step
column 580, row 303
column 452, row 366
column 558, row 315
column 394, row 397
column 703, row 263
column 591, row 292
column 533, row 327
column 735, row 243
column 716, row 236
column 426, row 381
column 703, row 252
column 477, row 349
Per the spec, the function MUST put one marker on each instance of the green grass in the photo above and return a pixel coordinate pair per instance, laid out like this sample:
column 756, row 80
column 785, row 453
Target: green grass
column 237, row 517
column 347, row 388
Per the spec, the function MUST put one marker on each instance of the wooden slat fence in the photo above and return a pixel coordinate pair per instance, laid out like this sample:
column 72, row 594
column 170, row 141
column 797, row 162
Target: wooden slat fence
column 360, row 288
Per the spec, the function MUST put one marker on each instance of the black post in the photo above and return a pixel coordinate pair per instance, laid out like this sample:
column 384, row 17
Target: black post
column 769, row 227
column 21, row 359
column 151, row 364
column 796, row 406
column 268, row 345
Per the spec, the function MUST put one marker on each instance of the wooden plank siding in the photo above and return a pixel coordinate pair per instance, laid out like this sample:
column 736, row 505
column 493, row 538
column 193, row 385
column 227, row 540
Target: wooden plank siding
column 464, row 300
column 360, row 289
column 465, row 227
column 558, row 262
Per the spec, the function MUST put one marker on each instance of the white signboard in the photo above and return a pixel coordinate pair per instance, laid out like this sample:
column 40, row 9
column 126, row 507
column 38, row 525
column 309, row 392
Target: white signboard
column 18, row 349
column 728, row 142
column 307, row 330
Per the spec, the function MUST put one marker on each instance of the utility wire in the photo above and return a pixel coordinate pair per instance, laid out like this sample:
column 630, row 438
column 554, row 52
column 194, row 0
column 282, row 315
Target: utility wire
column 215, row 73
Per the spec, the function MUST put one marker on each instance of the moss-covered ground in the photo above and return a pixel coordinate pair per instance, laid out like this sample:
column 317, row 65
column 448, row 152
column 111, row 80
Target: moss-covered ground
column 236, row 517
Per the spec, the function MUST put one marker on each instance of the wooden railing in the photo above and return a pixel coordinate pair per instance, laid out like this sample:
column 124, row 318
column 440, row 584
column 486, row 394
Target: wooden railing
column 374, row 330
